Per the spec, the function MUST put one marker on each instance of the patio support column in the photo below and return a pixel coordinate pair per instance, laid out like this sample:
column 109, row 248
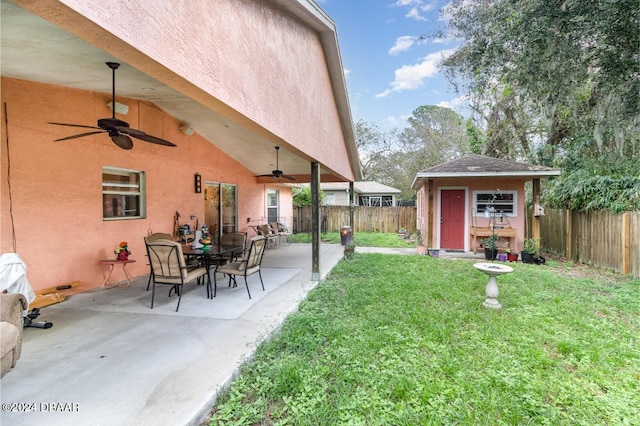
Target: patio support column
column 352, row 204
column 535, row 220
column 315, row 221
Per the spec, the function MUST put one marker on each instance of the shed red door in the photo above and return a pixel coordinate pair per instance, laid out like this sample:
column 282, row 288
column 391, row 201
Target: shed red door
column 452, row 219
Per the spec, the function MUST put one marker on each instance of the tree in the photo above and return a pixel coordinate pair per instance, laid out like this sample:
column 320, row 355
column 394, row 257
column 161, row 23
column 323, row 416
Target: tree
column 556, row 82
column 302, row 196
column 373, row 146
column 434, row 135
column 561, row 69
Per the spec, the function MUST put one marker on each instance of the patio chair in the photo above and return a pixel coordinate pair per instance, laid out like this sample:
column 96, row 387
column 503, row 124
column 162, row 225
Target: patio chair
column 249, row 265
column 269, row 234
column 154, row 237
column 233, row 239
column 169, row 267
column 283, row 232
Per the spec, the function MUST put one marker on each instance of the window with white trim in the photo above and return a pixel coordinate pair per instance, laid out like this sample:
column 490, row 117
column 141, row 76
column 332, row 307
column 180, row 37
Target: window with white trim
column 273, row 196
column 330, row 199
column 505, row 202
column 123, row 194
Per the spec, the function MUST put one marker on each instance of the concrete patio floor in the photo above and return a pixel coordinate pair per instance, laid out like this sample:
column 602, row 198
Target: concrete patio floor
column 111, row 360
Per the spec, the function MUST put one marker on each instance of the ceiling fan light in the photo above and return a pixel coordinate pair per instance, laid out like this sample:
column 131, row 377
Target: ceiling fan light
column 120, row 108
column 186, row 129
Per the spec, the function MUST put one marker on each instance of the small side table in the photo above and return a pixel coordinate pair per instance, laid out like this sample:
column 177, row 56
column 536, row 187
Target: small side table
column 112, row 264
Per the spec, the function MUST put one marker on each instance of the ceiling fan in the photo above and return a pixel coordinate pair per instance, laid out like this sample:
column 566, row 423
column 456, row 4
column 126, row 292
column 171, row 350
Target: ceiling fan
column 277, row 173
column 118, row 130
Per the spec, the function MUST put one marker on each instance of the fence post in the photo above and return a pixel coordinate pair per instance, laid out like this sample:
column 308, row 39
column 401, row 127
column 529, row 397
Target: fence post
column 568, row 235
column 626, row 244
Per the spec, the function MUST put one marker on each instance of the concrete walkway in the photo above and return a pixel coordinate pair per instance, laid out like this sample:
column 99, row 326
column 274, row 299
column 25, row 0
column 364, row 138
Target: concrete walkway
column 111, row 360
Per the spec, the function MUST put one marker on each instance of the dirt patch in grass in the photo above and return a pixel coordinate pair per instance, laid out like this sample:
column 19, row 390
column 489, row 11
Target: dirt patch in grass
column 571, row 269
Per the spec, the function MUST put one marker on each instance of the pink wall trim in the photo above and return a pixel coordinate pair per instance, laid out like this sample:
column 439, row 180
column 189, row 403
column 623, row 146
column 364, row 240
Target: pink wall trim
column 56, row 187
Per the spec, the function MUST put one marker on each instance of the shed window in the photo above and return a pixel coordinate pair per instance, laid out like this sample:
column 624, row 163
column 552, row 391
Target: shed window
column 122, row 194
column 505, row 202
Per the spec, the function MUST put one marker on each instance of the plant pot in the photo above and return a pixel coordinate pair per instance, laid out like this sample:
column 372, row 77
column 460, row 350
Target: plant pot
column 434, row 252
column 490, row 254
column 512, row 257
column 123, row 255
column 528, row 257
column 349, row 250
column 502, row 257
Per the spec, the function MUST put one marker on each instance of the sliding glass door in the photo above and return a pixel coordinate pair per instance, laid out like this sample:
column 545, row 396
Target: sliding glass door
column 220, row 208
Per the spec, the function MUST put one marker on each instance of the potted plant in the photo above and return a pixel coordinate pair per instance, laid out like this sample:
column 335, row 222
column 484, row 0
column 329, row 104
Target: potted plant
column 512, row 256
column 349, row 250
column 491, row 247
column 420, row 248
column 531, row 252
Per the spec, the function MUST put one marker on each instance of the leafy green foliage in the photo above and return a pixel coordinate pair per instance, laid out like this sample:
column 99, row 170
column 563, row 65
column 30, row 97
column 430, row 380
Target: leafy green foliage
column 531, row 246
column 566, row 68
column 601, row 183
column 389, row 340
column 302, row 197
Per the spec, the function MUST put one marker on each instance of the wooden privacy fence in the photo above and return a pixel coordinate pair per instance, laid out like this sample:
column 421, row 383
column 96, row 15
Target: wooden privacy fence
column 598, row 238
column 365, row 219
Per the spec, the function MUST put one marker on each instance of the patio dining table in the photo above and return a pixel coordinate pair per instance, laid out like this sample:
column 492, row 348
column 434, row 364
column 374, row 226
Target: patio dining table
column 210, row 256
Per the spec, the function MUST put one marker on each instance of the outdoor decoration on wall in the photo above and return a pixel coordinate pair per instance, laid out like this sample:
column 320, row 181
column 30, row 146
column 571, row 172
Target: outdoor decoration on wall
column 118, row 130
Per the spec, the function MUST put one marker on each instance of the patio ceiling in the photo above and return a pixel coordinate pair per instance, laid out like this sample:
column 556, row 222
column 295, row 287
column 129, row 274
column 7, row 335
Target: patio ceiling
column 36, row 50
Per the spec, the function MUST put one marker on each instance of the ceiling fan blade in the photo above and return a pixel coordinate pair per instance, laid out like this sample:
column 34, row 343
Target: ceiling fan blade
column 128, row 130
column 74, row 125
column 272, row 176
column 123, row 141
column 148, row 138
column 79, row 136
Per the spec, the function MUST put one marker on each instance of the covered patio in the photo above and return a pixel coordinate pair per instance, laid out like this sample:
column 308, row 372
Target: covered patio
column 111, row 360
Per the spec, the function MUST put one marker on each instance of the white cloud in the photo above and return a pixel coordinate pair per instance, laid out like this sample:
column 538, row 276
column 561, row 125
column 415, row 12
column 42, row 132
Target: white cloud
column 346, row 72
column 411, row 77
column 454, row 103
column 416, row 8
column 401, row 3
column 403, row 44
column 414, row 13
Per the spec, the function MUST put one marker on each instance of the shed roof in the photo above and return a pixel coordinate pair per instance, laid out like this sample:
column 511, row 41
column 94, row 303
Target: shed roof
column 473, row 165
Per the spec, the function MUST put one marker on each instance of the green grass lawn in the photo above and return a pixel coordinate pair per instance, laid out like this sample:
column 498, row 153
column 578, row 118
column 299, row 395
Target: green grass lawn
column 362, row 239
column 404, row 340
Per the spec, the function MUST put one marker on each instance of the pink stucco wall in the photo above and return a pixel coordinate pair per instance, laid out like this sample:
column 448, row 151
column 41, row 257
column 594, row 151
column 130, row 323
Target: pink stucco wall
column 471, row 185
column 56, row 187
column 247, row 59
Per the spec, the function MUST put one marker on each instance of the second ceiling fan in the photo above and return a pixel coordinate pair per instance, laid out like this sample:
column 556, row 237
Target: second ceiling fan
column 278, row 173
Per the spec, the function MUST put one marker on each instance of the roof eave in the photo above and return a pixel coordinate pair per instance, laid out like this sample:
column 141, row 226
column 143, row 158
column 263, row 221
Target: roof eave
column 530, row 174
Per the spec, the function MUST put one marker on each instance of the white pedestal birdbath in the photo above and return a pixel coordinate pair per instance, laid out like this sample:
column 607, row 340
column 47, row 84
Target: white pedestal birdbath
column 493, row 270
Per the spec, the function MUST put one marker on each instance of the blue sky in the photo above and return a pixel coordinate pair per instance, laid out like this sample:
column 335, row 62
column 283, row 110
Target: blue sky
column 389, row 70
